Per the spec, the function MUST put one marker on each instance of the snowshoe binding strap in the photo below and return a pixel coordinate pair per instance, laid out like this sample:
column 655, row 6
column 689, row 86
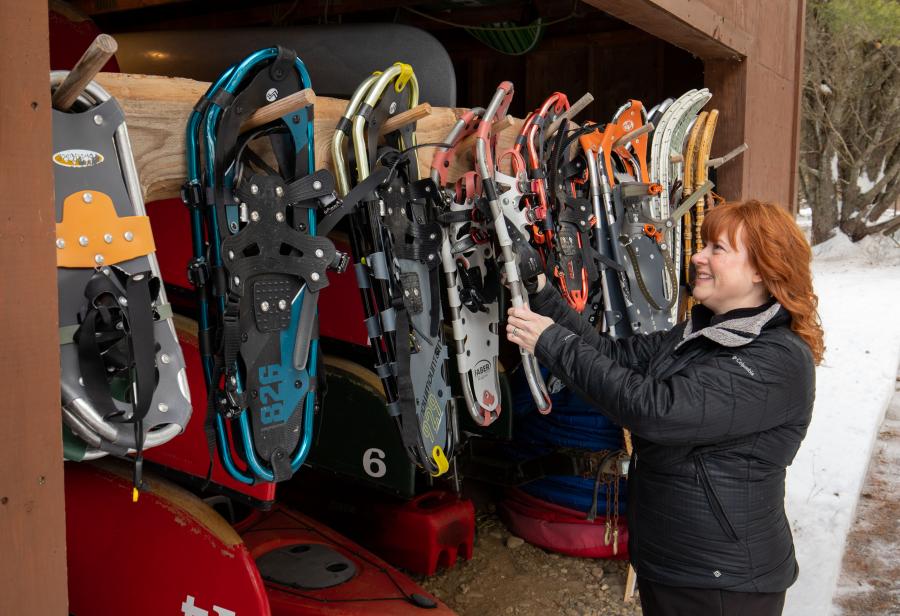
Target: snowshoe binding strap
column 123, row 383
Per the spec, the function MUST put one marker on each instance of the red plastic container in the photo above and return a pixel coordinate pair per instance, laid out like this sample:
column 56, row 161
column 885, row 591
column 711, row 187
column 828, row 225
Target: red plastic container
column 426, row 533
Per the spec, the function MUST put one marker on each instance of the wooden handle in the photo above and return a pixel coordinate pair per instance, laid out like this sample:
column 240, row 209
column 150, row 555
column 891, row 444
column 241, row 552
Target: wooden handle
column 499, row 126
column 273, row 111
column 97, row 54
column 715, row 163
column 646, row 128
column 409, row 116
column 573, row 111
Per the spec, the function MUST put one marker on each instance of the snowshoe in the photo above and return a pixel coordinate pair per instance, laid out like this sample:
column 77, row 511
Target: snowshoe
column 124, row 387
column 512, row 224
column 471, row 276
column 254, row 198
column 396, row 240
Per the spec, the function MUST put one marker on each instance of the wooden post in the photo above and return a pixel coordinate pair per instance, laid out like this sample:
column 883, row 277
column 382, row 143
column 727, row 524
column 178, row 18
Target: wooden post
column 32, row 507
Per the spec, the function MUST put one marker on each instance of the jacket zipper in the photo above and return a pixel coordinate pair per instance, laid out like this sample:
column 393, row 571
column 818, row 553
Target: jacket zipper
column 714, row 502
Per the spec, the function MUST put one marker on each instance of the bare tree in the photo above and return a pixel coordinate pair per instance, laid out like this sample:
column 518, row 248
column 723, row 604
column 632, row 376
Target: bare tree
column 850, row 151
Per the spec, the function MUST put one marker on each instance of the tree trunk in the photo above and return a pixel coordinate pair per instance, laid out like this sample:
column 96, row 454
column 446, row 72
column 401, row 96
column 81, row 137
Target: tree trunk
column 825, row 206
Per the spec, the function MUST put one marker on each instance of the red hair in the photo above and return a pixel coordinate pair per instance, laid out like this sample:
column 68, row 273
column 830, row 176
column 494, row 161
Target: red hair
column 780, row 253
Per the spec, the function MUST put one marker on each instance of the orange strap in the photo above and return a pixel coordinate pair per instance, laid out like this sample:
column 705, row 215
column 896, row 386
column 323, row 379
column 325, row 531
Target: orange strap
column 92, row 234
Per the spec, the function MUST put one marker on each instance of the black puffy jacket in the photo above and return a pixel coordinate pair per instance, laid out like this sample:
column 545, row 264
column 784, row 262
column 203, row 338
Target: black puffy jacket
column 717, row 408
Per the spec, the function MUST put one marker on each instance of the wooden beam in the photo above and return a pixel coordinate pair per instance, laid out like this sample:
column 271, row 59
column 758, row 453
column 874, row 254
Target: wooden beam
column 799, row 45
column 689, row 24
column 727, row 80
column 32, row 506
column 157, row 109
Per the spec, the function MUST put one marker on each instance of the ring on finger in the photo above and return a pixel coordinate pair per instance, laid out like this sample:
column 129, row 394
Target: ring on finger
column 515, row 332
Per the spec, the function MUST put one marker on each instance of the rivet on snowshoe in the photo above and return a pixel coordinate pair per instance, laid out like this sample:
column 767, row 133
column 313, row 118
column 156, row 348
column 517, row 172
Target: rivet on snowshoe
column 108, row 238
column 279, row 216
column 317, row 185
column 282, row 304
column 60, row 243
column 264, row 306
column 320, row 253
column 163, row 407
column 279, row 191
column 87, row 197
column 98, row 119
column 314, row 276
column 164, row 358
column 254, row 215
column 83, row 240
column 254, row 189
column 98, row 259
column 128, row 236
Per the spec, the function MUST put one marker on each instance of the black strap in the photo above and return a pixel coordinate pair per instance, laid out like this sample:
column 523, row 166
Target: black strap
column 360, row 193
column 116, row 339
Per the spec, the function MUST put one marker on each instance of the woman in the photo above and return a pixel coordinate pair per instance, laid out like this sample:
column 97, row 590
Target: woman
column 717, row 408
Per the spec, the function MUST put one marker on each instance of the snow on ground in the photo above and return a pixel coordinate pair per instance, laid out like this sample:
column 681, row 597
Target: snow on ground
column 859, row 302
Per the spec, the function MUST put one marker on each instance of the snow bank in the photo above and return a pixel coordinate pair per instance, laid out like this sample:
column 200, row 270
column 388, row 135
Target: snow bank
column 859, row 301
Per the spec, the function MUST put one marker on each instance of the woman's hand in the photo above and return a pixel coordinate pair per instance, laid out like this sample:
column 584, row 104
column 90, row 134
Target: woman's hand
column 524, row 327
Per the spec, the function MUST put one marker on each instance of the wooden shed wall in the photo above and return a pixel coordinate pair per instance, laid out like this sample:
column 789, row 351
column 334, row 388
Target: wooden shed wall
column 32, row 521
column 753, row 57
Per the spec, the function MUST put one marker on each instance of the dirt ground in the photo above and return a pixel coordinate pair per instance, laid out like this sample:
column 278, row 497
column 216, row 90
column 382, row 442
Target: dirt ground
column 870, row 576
column 508, row 576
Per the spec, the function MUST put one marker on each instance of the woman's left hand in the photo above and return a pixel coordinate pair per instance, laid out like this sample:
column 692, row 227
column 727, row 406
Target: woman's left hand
column 524, row 327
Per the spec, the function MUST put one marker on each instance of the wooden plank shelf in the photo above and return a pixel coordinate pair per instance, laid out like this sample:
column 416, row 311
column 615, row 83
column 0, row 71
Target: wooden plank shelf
column 157, row 109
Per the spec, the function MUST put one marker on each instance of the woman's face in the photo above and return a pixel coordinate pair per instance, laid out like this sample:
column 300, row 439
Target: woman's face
column 725, row 278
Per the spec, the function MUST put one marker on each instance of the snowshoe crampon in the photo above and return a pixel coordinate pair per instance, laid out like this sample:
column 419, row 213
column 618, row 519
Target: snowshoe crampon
column 396, row 240
column 254, row 197
column 124, row 388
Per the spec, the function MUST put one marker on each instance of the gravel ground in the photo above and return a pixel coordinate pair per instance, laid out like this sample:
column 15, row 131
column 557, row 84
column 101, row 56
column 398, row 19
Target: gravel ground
column 508, row 576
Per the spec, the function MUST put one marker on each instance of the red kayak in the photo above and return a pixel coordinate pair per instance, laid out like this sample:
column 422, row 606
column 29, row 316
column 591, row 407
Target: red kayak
column 171, row 553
